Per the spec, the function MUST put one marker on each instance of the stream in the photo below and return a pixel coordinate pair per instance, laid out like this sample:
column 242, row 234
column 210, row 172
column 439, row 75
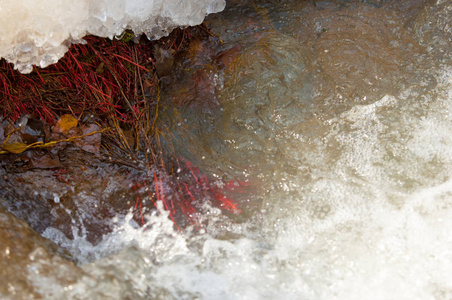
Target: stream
column 336, row 116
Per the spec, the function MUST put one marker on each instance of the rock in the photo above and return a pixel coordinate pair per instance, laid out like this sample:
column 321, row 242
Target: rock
column 25, row 254
column 267, row 93
column 359, row 52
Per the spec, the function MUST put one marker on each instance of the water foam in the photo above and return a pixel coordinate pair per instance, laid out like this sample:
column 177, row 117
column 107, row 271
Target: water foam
column 371, row 222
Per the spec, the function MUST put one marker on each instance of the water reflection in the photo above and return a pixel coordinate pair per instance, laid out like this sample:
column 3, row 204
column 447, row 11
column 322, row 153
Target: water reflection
column 292, row 71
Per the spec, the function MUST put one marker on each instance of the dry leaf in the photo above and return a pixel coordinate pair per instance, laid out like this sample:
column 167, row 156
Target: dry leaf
column 90, row 143
column 65, row 123
column 42, row 160
column 15, row 148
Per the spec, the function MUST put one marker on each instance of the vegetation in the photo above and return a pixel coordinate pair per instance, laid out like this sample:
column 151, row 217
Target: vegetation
column 113, row 84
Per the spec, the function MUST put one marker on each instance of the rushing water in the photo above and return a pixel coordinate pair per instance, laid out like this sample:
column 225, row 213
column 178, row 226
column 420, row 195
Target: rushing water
column 338, row 114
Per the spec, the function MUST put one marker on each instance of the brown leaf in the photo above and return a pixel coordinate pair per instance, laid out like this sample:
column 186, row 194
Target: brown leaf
column 90, row 143
column 163, row 60
column 28, row 138
column 74, row 132
column 46, row 161
column 65, row 123
column 100, row 68
column 59, row 146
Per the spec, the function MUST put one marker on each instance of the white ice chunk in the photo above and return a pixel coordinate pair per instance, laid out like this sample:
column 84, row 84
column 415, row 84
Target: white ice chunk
column 40, row 32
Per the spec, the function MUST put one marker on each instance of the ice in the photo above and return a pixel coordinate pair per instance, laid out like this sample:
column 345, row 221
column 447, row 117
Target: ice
column 40, row 32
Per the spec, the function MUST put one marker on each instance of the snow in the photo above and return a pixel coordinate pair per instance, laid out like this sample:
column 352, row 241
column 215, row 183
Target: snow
column 40, row 32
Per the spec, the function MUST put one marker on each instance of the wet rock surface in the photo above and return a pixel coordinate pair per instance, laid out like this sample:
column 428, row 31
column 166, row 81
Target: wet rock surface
column 260, row 112
column 57, row 176
column 75, row 197
column 21, row 252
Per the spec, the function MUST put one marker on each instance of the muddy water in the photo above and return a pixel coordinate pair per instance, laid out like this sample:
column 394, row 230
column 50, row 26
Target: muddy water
column 337, row 114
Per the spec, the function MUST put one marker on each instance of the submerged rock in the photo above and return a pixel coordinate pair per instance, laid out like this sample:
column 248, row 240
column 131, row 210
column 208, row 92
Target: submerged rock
column 267, row 95
column 359, row 52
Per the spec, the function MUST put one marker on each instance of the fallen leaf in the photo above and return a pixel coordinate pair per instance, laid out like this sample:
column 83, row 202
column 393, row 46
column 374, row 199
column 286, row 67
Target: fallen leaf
column 28, row 138
column 90, row 143
column 58, row 146
column 35, row 128
column 15, row 148
column 12, row 135
column 43, row 161
column 74, row 132
column 65, row 123
column 163, row 61
column 100, row 68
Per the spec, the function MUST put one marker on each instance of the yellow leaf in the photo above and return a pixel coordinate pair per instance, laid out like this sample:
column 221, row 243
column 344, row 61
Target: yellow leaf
column 65, row 123
column 15, row 148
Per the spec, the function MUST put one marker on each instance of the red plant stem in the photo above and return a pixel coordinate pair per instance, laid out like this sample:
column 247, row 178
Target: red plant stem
column 39, row 75
column 160, row 197
column 141, row 214
column 133, row 63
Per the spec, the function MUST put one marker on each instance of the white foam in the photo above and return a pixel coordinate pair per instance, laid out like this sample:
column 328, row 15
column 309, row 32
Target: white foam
column 372, row 222
column 365, row 251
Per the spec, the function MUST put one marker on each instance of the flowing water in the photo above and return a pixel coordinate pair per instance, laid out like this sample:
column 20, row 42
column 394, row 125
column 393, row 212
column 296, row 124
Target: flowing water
column 338, row 114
